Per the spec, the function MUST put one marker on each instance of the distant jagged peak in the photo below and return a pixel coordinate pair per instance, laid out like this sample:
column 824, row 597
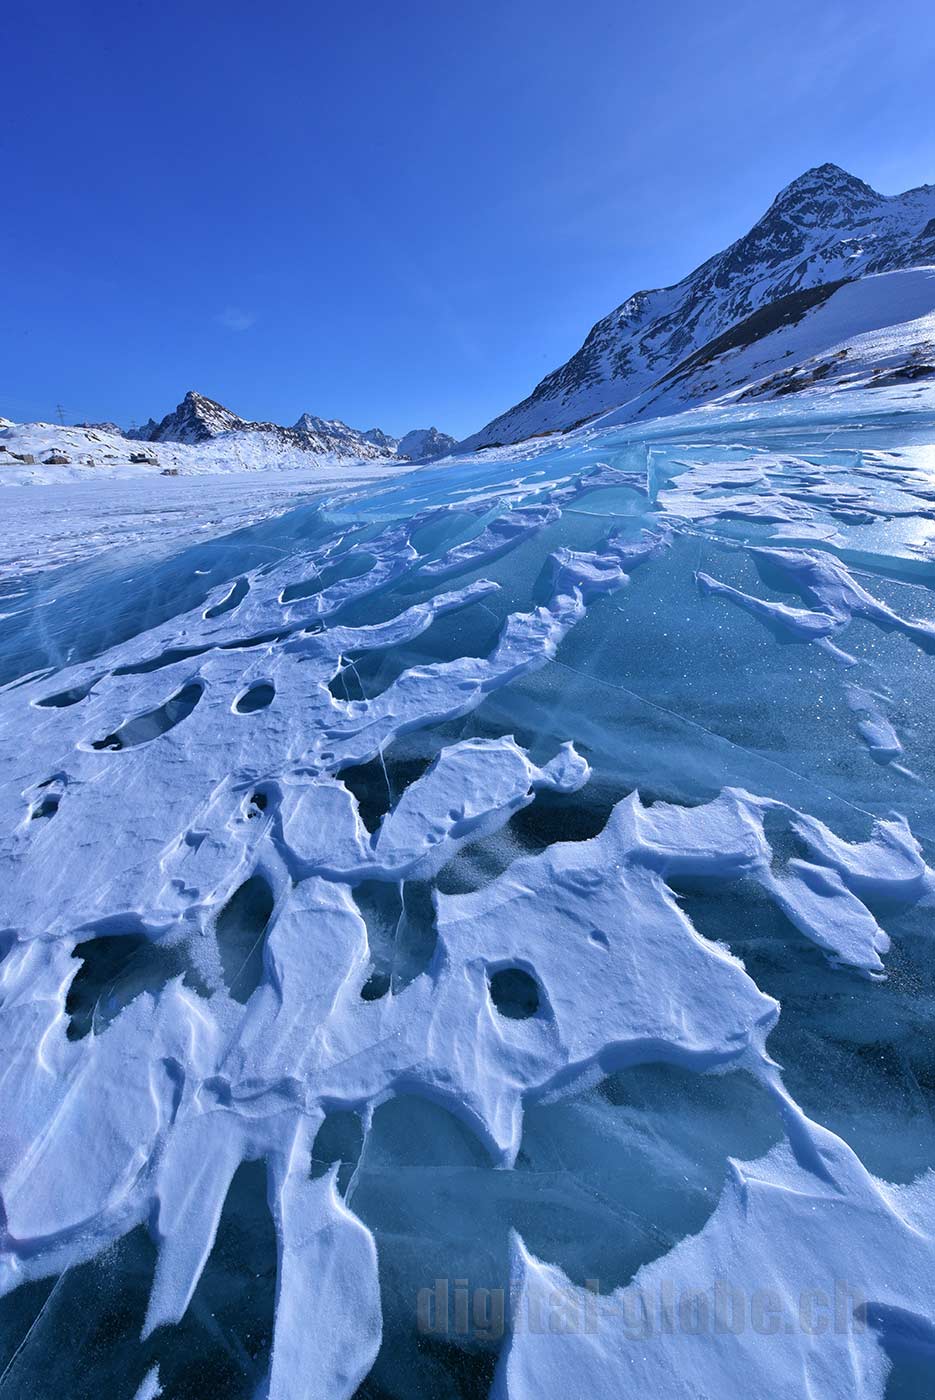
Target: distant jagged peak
column 423, row 444
column 196, row 419
column 381, row 439
column 310, row 423
column 370, row 444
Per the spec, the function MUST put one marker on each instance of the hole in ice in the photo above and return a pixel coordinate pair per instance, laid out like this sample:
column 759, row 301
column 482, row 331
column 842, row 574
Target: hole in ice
column 159, row 721
column 346, row 683
column 615, row 1177
column 115, row 969
column 220, row 1348
column 555, row 816
column 49, row 1355
column 240, row 928
column 909, row 1343
column 550, row 817
column 784, row 842
column 401, row 932
column 381, row 908
column 379, row 783
column 376, row 986
column 339, row 1139
column 353, row 566
column 259, row 801
column 237, row 594
column 256, row 698
column 46, row 808
column 856, row 1055
column 421, row 1177
column 65, row 698
column 158, row 663
column 418, row 933
column 471, row 632
column 514, row 993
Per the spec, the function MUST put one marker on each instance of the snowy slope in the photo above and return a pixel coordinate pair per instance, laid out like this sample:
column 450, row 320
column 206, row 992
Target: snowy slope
column 875, row 331
column 92, row 452
column 825, row 226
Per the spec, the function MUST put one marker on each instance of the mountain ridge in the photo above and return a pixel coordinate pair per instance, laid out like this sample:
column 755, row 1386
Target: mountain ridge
column 824, row 227
column 200, row 419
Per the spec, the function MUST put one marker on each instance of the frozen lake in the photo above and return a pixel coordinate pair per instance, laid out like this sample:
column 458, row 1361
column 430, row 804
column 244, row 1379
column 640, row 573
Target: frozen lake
column 464, row 925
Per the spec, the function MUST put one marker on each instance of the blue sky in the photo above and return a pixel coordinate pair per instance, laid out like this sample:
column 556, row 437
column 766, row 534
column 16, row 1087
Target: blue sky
column 401, row 214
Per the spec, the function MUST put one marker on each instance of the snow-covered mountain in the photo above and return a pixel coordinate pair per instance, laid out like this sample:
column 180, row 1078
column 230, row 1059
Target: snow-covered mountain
column 341, row 439
column 825, row 228
column 200, row 419
column 876, row 331
column 197, row 419
column 381, row 439
column 42, row 453
column 423, row 444
column 201, row 435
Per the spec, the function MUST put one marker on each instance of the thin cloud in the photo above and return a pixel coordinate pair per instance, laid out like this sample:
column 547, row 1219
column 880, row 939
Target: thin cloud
column 234, row 318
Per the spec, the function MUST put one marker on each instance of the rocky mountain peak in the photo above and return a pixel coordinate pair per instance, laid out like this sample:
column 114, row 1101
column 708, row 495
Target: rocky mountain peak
column 824, row 228
column 825, row 194
column 196, row 419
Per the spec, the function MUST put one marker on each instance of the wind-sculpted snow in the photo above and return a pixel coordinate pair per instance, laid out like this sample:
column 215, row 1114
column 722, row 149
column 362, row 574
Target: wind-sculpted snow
column 824, row 582
column 800, row 1303
column 420, row 809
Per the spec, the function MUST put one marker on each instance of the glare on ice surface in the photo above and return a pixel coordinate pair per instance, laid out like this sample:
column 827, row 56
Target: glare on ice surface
column 454, row 918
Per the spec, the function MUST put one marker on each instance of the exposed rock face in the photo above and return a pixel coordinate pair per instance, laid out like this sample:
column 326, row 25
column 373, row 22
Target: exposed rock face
column 196, row 420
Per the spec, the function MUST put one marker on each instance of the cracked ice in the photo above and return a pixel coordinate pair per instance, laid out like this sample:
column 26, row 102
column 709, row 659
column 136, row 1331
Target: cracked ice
column 233, row 918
